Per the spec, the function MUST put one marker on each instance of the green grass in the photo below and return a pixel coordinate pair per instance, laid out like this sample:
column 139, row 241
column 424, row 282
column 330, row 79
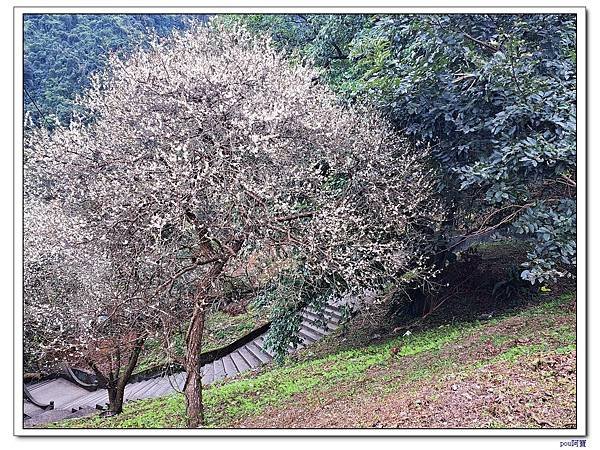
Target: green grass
column 226, row 402
column 165, row 412
column 515, row 353
column 221, row 329
column 566, row 349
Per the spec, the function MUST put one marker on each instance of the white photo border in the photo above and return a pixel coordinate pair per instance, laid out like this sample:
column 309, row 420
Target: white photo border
column 155, row 8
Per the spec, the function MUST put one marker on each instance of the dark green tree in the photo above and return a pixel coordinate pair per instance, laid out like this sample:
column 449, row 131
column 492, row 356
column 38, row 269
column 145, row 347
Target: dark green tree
column 492, row 95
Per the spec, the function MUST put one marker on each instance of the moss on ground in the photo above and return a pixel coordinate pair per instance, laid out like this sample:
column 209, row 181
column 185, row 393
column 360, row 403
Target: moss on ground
column 221, row 329
column 393, row 365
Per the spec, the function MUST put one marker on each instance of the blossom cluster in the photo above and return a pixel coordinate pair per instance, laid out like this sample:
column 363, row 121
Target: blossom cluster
column 194, row 156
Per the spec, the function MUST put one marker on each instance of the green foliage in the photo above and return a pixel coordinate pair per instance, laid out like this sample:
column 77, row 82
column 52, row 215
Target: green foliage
column 512, row 289
column 554, row 227
column 493, row 95
column 322, row 39
column 285, row 296
column 227, row 402
column 62, row 50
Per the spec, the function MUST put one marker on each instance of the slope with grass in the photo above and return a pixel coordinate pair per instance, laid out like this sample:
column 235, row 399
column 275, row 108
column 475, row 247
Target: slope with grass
column 515, row 370
column 221, row 329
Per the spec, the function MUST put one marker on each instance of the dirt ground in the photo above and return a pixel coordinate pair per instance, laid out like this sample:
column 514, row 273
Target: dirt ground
column 469, row 385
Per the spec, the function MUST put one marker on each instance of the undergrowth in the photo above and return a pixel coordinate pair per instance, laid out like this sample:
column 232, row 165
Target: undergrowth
column 347, row 371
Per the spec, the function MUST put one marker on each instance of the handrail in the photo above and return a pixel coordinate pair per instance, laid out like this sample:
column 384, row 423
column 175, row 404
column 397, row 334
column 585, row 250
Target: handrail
column 212, row 355
column 205, row 358
column 30, row 397
column 71, row 374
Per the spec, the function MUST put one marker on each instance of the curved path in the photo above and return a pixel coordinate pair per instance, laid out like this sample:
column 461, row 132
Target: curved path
column 71, row 400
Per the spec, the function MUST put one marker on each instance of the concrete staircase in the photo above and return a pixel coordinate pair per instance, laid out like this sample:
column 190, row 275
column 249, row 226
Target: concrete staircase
column 70, row 400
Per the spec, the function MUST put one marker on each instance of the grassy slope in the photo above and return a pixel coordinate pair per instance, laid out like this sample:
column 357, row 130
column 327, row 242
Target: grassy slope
column 513, row 371
column 221, row 329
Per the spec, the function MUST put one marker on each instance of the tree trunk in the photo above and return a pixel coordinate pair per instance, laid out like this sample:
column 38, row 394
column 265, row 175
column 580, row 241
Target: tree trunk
column 115, row 399
column 115, row 383
column 112, row 395
column 193, row 383
column 116, row 407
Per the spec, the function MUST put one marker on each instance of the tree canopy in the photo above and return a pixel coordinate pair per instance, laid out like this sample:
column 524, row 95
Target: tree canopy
column 205, row 148
column 61, row 51
column 493, row 96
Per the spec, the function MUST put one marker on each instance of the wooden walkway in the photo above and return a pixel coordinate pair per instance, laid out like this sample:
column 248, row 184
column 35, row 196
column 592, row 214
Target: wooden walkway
column 70, row 400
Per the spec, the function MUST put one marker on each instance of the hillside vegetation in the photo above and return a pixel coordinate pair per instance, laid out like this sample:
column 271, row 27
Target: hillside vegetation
column 513, row 371
column 63, row 50
column 417, row 171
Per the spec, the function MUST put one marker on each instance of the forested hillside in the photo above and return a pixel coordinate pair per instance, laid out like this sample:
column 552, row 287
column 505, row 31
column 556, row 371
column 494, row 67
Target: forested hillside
column 62, row 50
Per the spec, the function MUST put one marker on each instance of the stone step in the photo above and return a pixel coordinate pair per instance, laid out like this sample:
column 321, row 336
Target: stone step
column 308, row 336
column 157, row 389
column 59, row 391
column 314, row 328
column 334, row 312
column 142, row 391
column 165, row 387
column 219, row 369
column 99, row 397
column 208, row 373
column 317, row 320
column 49, row 416
column 180, row 380
column 32, row 387
column 260, row 342
column 31, row 410
column 292, row 347
column 240, row 363
column 70, row 397
column 230, row 369
column 252, row 360
column 331, row 313
column 258, row 352
column 131, row 390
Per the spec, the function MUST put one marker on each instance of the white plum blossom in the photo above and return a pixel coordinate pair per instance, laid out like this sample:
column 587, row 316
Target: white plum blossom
column 206, row 155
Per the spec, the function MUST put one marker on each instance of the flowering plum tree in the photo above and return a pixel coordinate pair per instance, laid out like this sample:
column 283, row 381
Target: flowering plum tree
column 208, row 147
column 81, row 306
